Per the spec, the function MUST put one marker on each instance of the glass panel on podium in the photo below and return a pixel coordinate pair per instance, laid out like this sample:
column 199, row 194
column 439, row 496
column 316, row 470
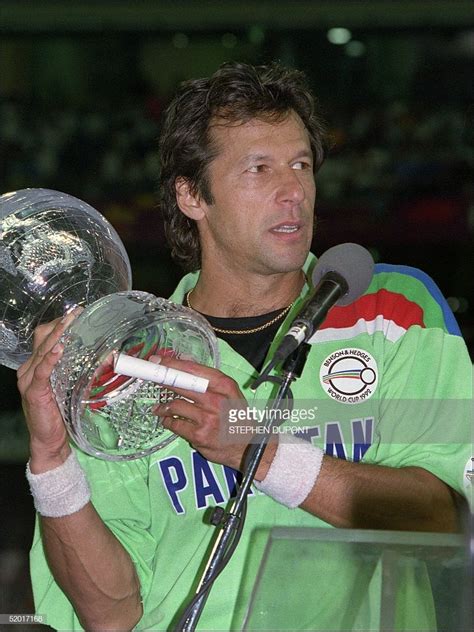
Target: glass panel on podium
column 341, row 579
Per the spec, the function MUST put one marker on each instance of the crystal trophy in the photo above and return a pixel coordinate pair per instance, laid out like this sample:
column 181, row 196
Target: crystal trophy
column 56, row 253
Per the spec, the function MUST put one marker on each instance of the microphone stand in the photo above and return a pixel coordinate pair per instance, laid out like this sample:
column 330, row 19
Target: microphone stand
column 230, row 520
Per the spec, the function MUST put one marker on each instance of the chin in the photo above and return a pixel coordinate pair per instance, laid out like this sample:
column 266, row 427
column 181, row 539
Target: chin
column 288, row 264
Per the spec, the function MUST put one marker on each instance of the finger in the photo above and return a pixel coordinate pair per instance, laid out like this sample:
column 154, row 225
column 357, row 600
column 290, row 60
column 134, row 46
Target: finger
column 29, row 367
column 42, row 331
column 36, row 380
column 179, row 408
column 24, row 368
column 182, row 427
column 47, row 337
column 42, row 371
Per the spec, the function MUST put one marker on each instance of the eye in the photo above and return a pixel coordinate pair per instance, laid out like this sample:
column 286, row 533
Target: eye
column 256, row 168
column 302, row 165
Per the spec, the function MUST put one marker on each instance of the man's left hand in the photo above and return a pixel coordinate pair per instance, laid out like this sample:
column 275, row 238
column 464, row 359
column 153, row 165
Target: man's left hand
column 200, row 417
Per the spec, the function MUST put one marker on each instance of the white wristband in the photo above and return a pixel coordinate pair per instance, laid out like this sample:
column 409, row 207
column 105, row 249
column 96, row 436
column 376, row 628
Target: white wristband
column 293, row 471
column 61, row 491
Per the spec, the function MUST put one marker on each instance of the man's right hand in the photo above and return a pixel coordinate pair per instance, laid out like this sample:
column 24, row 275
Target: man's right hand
column 49, row 445
column 86, row 559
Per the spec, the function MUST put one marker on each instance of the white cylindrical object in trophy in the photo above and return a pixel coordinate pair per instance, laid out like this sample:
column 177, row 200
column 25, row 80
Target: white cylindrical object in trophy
column 146, row 370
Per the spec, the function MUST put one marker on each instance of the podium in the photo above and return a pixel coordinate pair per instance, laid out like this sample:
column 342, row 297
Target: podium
column 344, row 580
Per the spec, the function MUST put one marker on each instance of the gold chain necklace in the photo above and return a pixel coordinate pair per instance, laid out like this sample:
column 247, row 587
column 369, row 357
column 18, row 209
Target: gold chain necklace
column 253, row 330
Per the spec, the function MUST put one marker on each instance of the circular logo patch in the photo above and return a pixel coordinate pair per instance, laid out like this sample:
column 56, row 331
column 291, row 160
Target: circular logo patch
column 349, row 375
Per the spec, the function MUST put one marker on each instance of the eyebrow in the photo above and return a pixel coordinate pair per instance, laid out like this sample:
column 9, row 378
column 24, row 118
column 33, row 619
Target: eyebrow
column 303, row 153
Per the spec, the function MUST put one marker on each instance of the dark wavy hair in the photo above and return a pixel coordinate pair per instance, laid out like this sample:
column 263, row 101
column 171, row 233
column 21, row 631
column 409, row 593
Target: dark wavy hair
column 235, row 93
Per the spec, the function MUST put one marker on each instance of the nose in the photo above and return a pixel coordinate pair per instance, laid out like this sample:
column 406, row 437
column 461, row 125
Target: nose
column 290, row 187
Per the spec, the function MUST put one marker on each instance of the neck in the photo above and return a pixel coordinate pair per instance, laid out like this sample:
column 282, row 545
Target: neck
column 238, row 297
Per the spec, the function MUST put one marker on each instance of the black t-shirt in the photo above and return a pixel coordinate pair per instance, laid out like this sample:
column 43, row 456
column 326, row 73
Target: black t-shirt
column 252, row 346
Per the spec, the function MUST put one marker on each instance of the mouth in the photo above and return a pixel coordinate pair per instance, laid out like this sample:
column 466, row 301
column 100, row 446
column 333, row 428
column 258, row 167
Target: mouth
column 286, row 229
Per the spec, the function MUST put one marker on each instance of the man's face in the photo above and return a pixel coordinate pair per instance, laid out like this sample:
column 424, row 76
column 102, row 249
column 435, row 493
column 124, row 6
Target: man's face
column 262, row 184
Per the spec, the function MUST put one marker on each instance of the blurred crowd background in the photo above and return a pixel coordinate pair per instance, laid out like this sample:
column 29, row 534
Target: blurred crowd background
column 83, row 87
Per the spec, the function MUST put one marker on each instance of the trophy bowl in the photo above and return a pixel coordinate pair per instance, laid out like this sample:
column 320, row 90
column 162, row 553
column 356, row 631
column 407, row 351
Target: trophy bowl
column 57, row 253
column 110, row 415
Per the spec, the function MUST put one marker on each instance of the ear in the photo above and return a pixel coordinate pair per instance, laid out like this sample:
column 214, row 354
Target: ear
column 190, row 204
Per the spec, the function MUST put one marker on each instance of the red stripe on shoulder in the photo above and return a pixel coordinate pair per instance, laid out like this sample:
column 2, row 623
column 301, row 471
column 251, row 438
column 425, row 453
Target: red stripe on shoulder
column 389, row 305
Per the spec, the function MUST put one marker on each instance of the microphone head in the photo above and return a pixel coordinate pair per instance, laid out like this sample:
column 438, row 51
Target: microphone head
column 351, row 261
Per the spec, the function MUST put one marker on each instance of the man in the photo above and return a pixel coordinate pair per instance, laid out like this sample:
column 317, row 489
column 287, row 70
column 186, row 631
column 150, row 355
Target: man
column 240, row 151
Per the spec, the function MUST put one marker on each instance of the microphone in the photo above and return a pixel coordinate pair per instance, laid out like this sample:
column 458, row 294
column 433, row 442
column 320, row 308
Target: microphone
column 341, row 275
